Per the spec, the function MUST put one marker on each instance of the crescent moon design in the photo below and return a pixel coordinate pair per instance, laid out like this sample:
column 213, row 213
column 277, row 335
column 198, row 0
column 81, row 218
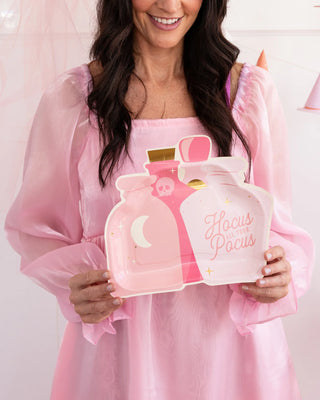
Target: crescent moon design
column 137, row 231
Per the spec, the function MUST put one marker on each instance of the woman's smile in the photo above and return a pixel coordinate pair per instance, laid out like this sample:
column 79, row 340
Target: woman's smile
column 165, row 23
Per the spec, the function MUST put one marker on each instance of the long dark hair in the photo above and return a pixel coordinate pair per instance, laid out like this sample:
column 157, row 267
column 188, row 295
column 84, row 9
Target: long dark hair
column 208, row 58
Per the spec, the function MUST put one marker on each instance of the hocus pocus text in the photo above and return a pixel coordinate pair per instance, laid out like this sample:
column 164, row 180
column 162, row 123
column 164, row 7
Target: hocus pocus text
column 220, row 228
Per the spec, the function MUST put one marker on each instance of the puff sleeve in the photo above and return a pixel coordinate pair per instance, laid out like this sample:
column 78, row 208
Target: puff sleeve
column 258, row 112
column 44, row 224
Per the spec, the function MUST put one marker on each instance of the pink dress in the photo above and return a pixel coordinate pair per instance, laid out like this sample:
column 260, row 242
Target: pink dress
column 202, row 343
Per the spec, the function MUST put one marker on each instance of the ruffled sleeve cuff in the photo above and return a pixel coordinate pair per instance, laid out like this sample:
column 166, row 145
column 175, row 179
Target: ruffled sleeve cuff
column 246, row 312
column 93, row 332
column 53, row 271
column 258, row 112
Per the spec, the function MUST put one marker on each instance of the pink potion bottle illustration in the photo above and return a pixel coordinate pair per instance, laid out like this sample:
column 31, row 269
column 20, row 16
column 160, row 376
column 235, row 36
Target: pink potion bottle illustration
column 193, row 152
column 142, row 240
column 172, row 192
column 228, row 223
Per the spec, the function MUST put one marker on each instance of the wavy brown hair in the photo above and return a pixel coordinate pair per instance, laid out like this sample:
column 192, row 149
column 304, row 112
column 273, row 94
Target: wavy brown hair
column 207, row 58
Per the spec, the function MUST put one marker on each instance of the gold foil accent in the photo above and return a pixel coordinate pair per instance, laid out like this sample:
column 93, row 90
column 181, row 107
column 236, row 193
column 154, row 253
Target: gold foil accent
column 161, row 154
column 197, row 184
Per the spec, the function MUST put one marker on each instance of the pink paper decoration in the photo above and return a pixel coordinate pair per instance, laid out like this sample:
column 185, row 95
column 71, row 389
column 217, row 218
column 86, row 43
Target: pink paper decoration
column 313, row 101
column 262, row 61
column 167, row 232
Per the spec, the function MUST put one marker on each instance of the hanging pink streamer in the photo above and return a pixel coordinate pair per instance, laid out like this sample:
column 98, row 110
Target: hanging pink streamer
column 39, row 39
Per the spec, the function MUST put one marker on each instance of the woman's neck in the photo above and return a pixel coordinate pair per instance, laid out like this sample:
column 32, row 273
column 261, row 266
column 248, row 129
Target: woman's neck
column 158, row 66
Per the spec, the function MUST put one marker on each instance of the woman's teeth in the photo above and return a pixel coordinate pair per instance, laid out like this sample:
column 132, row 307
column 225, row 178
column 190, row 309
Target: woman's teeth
column 166, row 21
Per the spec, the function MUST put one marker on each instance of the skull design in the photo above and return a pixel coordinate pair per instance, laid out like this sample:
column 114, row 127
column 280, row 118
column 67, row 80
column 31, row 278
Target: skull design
column 165, row 187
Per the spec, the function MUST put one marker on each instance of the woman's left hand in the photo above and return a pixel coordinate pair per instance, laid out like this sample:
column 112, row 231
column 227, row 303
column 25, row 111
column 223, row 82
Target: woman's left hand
column 277, row 276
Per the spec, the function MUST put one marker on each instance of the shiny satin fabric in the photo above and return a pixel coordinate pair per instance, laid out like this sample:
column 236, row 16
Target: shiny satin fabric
column 200, row 343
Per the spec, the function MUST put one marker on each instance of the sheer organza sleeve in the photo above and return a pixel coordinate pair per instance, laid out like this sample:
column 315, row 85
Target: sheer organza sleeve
column 259, row 113
column 44, row 224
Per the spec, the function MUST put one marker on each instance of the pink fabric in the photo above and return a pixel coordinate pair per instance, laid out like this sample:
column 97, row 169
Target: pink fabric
column 228, row 88
column 39, row 40
column 201, row 343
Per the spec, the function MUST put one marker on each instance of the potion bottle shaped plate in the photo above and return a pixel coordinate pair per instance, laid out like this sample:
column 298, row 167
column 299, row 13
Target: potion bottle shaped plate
column 228, row 221
column 188, row 219
column 142, row 240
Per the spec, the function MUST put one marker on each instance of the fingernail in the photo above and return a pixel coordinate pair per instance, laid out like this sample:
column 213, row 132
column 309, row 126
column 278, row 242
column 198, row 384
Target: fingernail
column 269, row 256
column 109, row 288
column 267, row 270
column 262, row 282
column 106, row 275
column 244, row 287
column 116, row 302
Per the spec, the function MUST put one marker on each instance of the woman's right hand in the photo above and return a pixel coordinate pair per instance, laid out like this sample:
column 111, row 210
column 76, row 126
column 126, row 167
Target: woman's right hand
column 91, row 296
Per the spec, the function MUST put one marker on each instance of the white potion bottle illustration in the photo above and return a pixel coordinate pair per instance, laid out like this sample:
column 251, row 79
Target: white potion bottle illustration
column 170, row 190
column 142, row 240
column 228, row 223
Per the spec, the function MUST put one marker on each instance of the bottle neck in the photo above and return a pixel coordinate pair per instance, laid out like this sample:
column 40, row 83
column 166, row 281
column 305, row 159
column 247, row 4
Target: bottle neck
column 168, row 168
column 224, row 177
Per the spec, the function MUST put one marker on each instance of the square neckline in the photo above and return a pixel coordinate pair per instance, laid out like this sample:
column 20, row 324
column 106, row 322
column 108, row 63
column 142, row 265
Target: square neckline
column 165, row 121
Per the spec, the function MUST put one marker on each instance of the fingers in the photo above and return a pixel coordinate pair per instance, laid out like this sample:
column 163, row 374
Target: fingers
column 98, row 308
column 277, row 280
column 277, row 276
column 274, row 253
column 88, row 278
column 91, row 293
column 108, row 308
column 266, row 295
column 277, row 267
column 94, row 318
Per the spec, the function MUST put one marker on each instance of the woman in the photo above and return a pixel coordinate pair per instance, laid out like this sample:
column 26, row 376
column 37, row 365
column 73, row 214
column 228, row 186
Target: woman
column 160, row 72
